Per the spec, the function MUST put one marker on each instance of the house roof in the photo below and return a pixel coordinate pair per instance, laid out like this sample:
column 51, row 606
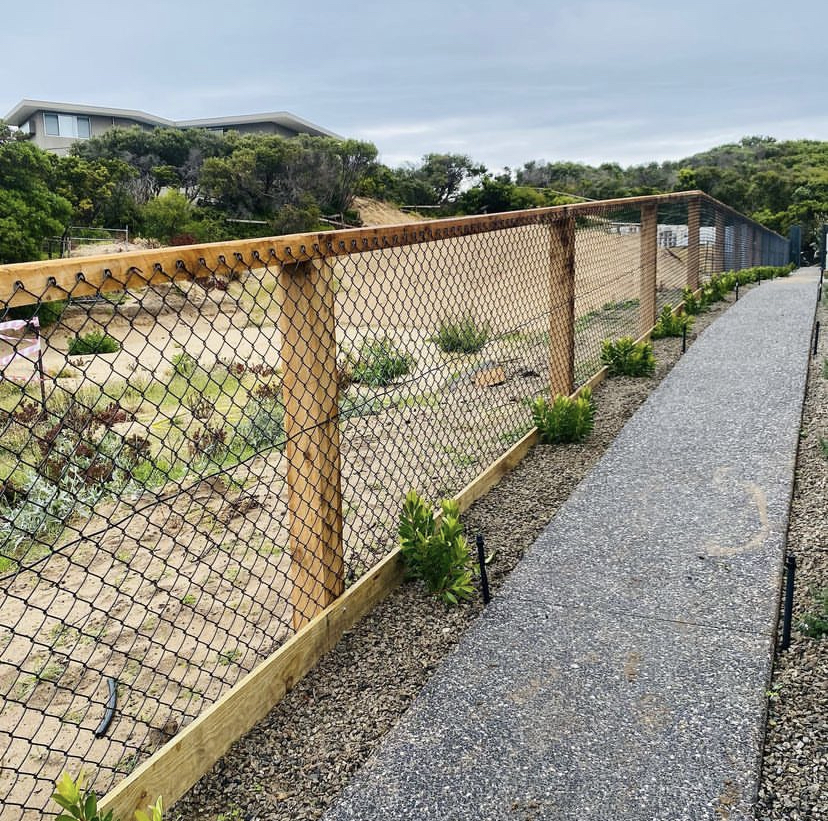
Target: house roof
column 23, row 111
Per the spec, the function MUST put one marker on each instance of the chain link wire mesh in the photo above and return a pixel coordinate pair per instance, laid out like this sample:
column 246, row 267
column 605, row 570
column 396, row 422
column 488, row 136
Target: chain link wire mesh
column 190, row 470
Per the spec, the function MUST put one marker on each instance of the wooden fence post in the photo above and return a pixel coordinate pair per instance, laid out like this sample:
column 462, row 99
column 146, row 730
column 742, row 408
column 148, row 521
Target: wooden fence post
column 649, row 261
column 743, row 246
column 693, row 243
column 310, row 391
column 719, row 247
column 562, row 305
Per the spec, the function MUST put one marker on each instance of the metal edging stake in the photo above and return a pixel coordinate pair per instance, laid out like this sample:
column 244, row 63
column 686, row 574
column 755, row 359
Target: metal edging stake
column 790, row 576
column 481, row 560
column 816, row 338
column 684, row 338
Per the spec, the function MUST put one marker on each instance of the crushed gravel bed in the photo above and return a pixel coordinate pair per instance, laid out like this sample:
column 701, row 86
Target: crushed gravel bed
column 295, row 762
column 795, row 766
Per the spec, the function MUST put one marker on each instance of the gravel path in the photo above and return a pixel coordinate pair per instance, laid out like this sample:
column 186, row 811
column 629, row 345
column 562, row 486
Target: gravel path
column 295, row 763
column 795, row 767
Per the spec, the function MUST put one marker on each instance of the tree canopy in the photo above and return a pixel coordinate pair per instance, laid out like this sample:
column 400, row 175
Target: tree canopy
column 185, row 185
column 30, row 208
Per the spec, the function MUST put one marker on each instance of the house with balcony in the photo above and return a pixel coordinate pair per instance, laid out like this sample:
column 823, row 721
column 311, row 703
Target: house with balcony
column 55, row 126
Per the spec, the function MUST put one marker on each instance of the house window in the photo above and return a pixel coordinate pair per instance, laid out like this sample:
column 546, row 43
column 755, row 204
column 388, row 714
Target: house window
column 67, row 125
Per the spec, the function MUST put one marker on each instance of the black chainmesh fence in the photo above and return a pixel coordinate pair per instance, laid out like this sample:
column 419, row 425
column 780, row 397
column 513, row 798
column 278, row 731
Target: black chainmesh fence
column 191, row 469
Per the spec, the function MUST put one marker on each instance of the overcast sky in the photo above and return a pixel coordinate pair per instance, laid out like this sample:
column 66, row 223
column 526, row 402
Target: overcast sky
column 505, row 82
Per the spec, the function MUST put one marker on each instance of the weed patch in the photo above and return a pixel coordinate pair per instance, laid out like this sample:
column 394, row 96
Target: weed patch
column 378, row 363
column 462, row 336
column 93, row 343
column 815, row 625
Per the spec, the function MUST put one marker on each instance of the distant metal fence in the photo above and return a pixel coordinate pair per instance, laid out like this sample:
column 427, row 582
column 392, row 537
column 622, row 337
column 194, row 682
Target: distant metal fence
column 198, row 461
column 78, row 236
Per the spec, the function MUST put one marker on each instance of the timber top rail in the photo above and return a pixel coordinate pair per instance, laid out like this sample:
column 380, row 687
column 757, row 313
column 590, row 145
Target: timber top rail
column 29, row 282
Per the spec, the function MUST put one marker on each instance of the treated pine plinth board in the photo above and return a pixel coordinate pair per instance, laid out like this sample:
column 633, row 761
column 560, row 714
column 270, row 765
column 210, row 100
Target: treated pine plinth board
column 31, row 282
column 172, row 770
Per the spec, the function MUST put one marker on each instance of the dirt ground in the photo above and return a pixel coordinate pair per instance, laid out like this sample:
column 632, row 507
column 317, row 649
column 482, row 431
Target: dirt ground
column 176, row 592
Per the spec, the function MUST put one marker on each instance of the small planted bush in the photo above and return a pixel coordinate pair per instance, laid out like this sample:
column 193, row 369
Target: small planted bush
column 670, row 324
column 436, row 553
column 693, row 304
column 378, row 363
column 81, row 804
column 718, row 287
column 626, row 357
column 464, row 336
column 564, row 419
column 92, row 343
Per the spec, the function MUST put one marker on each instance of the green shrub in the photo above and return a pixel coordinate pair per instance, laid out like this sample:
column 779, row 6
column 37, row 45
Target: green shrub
column 378, row 363
column 670, row 324
column 184, row 364
column 262, row 424
column 693, row 304
column 565, row 419
column 437, row 554
column 718, row 287
column 47, row 313
column 746, row 276
column 81, row 804
column 759, row 272
column 626, row 357
column 815, row 625
column 464, row 336
column 92, row 343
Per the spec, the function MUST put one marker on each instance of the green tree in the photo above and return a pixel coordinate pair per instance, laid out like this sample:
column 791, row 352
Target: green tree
column 30, row 210
column 167, row 215
column 93, row 187
column 445, row 174
column 686, row 180
column 163, row 157
column 256, row 178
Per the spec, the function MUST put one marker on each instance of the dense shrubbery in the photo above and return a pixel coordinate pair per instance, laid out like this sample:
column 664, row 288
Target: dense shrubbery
column 720, row 285
column 223, row 186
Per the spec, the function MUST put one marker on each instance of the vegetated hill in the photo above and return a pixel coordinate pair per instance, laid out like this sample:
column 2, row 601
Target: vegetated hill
column 780, row 184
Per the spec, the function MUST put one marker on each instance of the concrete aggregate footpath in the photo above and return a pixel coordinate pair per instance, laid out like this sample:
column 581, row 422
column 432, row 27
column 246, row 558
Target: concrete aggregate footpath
column 621, row 672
